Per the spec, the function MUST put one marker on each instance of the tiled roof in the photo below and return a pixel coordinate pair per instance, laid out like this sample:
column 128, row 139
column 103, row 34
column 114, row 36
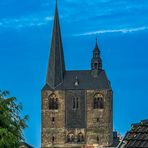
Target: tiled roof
column 137, row 137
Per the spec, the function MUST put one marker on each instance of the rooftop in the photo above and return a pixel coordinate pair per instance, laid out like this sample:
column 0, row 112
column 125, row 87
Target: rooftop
column 137, row 137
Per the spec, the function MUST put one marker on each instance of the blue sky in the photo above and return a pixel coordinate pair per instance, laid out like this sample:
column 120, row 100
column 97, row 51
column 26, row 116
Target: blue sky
column 122, row 31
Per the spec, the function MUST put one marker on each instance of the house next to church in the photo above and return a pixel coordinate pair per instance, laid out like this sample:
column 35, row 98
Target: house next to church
column 77, row 106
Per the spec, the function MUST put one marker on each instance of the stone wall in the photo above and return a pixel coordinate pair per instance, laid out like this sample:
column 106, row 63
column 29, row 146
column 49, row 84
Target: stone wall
column 96, row 130
column 99, row 121
column 53, row 132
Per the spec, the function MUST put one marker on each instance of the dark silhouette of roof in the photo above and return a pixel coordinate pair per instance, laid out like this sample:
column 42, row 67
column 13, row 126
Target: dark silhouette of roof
column 56, row 65
column 137, row 137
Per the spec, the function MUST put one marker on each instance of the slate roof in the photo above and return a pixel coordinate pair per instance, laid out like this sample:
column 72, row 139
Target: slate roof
column 137, row 137
column 56, row 65
column 85, row 81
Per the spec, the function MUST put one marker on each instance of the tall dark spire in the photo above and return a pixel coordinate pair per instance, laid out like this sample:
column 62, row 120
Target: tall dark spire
column 56, row 66
column 96, row 62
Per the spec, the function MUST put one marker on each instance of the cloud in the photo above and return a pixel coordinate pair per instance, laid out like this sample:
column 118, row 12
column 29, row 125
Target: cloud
column 102, row 13
column 124, row 30
column 27, row 21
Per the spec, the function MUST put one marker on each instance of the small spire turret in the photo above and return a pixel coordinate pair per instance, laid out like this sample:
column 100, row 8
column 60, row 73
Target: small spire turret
column 96, row 62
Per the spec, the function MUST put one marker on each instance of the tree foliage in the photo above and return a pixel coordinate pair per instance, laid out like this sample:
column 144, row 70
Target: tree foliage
column 11, row 122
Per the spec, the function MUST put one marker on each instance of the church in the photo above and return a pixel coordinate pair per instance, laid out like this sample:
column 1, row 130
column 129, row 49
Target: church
column 77, row 106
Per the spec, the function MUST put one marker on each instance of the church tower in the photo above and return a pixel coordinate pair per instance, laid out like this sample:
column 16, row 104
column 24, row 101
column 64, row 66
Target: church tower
column 76, row 105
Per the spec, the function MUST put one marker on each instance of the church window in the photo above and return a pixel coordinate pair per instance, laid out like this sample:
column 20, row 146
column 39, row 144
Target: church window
column 80, row 137
column 53, row 102
column 75, row 103
column 70, row 137
column 98, row 102
column 76, row 83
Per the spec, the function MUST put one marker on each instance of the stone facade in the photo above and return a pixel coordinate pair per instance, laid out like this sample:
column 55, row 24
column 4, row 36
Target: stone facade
column 76, row 105
column 99, row 121
column 53, row 121
column 96, row 126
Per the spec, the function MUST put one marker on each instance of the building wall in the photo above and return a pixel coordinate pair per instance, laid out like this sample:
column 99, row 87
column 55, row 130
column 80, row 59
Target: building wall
column 94, row 124
column 99, row 121
column 52, row 129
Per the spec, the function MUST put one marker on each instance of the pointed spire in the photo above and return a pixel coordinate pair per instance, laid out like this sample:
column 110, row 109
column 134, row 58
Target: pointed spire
column 56, row 66
column 56, row 5
column 96, row 49
column 96, row 62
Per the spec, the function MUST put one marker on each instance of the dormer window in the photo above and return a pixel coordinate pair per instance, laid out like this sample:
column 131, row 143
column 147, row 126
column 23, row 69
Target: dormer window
column 76, row 83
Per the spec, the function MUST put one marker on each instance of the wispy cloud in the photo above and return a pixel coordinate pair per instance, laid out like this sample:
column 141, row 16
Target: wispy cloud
column 22, row 22
column 124, row 30
column 101, row 13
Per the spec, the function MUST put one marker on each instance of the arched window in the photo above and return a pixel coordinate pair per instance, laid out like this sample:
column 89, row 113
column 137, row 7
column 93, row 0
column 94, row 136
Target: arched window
column 53, row 102
column 98, row 101
column 80, row 137
column 70, row 137
column 75, row 102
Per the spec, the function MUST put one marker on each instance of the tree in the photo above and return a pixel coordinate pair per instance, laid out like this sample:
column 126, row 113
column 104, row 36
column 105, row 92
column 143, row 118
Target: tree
column 11, row 122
